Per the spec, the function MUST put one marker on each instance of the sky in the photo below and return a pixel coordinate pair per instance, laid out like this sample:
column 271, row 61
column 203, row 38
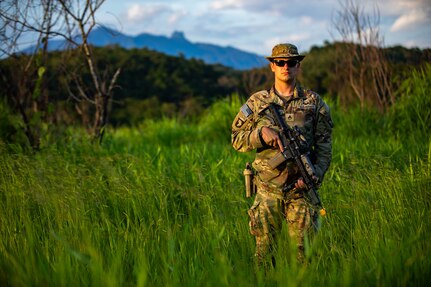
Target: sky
column 257, row 25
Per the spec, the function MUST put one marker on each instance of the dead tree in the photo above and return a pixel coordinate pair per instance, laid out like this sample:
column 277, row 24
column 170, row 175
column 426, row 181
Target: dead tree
column 362, row 62
column 73, row 21
column 80, row 20
column 25, row 82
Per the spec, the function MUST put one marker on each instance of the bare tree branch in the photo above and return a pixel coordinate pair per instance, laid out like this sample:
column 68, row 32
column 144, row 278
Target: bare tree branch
column 72, row 20
column 113, row 81
column 364, row 65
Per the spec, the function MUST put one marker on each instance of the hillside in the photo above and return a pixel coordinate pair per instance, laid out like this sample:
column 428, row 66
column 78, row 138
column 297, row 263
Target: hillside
column 175, row 45
column 153, row 84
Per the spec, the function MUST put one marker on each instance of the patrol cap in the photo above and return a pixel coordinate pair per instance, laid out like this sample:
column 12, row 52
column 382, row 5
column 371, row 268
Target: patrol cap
column 285, row 50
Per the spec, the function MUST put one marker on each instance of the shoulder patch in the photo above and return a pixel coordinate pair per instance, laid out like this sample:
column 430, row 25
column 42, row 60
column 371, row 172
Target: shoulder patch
column 239, row 123
column 246, row 110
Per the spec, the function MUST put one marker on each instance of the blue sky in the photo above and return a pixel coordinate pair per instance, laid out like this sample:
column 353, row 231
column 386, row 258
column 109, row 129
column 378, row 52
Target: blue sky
column 256, row 25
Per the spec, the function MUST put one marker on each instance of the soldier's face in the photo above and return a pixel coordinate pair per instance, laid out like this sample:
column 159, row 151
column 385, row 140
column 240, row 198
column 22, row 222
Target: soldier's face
column 285, row 69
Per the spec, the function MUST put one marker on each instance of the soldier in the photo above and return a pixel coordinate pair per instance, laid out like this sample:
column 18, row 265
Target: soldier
column 255, row 129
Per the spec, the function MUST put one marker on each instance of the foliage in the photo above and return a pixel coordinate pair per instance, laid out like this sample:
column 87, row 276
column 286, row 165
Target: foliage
column 162, row 204
column 319, row 73
column 215, row 123
column 318, row 70
column 411, row 114
column 153, row 85
column 10, row 131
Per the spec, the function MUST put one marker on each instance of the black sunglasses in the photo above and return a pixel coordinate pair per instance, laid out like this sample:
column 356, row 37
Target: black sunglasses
column 290, row 63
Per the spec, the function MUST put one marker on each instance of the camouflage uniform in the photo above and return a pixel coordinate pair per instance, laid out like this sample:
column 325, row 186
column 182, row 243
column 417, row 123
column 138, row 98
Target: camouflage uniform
column 310, row 113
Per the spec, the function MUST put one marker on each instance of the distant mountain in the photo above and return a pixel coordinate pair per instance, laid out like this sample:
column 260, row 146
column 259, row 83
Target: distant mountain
column 175, row 45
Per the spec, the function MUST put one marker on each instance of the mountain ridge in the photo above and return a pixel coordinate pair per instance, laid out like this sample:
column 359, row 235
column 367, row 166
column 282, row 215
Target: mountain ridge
column 175, row 45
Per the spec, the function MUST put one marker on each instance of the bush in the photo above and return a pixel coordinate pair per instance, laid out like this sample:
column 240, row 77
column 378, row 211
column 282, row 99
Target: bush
column 10, row 130
column 216, row 122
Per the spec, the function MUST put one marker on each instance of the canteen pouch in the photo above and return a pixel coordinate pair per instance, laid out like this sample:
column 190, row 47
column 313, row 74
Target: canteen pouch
column 250, row 187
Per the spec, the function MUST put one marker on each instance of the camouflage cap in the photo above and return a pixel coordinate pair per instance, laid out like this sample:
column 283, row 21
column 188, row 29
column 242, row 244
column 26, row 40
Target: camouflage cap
column 285, row 50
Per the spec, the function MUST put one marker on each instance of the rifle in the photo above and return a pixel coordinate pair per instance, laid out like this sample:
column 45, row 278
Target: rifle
column 292, row 140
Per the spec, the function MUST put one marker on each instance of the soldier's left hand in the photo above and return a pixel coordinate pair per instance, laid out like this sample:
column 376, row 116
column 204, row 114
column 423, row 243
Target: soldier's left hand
column 300, row 184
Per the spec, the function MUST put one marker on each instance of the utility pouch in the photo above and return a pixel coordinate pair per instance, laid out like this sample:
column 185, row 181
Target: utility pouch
column 276, row 160
column 250, row 187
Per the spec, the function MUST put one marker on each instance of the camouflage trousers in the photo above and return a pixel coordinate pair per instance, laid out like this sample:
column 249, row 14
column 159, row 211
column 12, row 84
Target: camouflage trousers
column 266, row 219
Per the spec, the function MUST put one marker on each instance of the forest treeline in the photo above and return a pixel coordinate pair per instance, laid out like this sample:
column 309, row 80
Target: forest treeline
column 150, row 85
column 153, row 85
column 326, row 71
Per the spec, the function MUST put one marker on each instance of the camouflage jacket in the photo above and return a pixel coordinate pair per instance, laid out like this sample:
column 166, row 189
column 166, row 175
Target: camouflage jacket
column 305, row 109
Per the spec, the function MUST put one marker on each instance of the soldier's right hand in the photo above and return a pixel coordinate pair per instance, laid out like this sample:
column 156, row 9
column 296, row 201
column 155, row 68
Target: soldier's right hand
column 271, row 138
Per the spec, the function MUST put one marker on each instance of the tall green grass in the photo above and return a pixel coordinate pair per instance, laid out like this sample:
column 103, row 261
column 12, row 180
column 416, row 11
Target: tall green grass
column 162, row 204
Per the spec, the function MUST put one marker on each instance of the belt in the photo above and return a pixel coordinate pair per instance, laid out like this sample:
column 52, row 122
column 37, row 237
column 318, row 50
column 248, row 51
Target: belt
column 286, row 192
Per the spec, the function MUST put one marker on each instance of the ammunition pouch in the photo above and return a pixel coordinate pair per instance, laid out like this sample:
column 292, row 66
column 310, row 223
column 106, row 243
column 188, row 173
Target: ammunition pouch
column 276, row 160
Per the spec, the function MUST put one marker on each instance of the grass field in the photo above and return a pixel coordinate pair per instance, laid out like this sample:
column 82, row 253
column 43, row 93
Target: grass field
column 163, row 204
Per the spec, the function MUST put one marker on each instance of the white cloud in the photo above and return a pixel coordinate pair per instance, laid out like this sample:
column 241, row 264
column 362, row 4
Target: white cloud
column 226, row 4
column 139, row 12
column 410, row 19
column 294, row 38
column 397, row 7
column 290, row 8
column 257, row 25
column 298, row 37
column 177, row 16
